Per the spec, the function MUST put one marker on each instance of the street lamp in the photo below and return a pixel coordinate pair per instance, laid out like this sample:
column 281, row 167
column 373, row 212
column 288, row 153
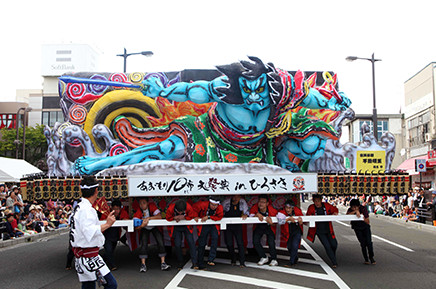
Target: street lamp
column 24, row 129
column 17, row 141
column 125, row 55
column 374, row 110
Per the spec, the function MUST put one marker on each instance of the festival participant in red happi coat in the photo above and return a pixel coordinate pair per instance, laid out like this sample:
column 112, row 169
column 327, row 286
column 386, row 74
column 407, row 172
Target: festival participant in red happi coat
column 264, row 211
column 178, row 211
column 146, row 212
column 291, row 229
column 324, row 230
column 208, row 210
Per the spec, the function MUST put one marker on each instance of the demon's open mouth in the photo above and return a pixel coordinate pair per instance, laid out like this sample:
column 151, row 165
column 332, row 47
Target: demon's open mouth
column 260, row 102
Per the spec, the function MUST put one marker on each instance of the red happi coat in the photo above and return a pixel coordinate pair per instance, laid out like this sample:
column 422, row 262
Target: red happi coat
column 124, row 215
column 189, row 215
column 201, row 208
column 284, row 229
column 330, row 210
column 152, row 208
column 271, row 213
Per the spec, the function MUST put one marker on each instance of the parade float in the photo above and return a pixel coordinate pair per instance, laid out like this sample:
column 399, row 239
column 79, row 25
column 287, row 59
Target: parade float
column 246, row 128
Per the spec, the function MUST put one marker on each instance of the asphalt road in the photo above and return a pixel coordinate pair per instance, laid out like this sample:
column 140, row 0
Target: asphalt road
column 405, row 255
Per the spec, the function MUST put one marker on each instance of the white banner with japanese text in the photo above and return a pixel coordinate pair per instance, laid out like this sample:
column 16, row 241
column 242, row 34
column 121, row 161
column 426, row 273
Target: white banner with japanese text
column 225, row 184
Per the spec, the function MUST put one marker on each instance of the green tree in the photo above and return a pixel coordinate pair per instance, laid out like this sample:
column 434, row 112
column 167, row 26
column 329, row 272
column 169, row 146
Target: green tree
column 36, row 144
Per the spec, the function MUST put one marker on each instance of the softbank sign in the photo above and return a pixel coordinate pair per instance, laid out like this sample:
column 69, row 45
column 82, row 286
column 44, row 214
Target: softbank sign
column 63, row 58
column 62, row 67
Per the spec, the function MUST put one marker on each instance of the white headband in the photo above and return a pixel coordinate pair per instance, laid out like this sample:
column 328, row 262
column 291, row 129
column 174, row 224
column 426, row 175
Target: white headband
column 214, row 202
column 89, row 187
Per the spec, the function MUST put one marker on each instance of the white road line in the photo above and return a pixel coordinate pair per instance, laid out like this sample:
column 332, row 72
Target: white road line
column 342, row 223
column 383, row 239
column 280, row 269
column 329, row 276
column 179, row 277
column 393, row 243
column 245, row 280
column 334, row 277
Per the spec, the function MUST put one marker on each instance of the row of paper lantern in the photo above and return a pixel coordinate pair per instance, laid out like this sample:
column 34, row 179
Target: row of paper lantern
column 69, row 188
column 343, row 184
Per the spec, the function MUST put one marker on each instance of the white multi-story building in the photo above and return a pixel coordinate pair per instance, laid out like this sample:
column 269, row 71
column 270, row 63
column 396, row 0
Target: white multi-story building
column 420, row 109
column 57, row 59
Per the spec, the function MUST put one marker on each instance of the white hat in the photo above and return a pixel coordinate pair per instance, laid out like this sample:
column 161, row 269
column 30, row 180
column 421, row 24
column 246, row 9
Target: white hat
column 214, row 201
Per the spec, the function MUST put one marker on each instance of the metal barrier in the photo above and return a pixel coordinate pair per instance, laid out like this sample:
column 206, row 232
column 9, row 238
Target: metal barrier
column 424, row 214
column 2, row 228
column 310, row 220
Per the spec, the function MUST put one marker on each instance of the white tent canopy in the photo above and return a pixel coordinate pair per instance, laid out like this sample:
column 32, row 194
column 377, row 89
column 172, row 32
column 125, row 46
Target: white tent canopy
column 11, row 170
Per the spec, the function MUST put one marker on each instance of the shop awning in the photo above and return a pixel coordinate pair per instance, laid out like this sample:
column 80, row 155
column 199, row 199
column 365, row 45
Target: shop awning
column 409, row 164
column 431, row 163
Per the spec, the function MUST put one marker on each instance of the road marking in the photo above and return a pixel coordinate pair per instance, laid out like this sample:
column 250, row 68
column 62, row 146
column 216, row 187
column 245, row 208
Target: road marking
column 342, row 223
column 228, row 277
column 383, row 239
column 334, row 277
column 179, row 277
column 393, row 243
column 329, row 276
column 280, row 269
column 245, row 280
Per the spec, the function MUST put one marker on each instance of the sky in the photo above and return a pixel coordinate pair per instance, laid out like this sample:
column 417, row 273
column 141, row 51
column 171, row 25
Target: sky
column 306, row 35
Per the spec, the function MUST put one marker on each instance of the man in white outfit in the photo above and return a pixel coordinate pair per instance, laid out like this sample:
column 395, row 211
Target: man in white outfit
column 86, row 238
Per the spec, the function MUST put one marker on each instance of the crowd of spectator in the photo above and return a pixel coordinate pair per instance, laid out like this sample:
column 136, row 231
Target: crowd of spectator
column 20, row 218
column 411, row 207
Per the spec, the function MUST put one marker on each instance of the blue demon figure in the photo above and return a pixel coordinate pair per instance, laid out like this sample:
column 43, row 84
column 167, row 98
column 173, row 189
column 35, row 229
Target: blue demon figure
column 260, row 114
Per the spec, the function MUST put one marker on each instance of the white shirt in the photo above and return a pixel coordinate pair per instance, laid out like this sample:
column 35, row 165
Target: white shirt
column 378, row 208
column 146, row 214
column 410, row 201
column 85, row 227
column 19, row 198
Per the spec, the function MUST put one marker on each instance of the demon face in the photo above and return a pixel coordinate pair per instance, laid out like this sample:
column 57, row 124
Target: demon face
column 255, row 93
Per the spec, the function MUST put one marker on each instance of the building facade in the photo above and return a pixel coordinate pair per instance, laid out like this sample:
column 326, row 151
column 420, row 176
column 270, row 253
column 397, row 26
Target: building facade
column 57, row 59
column 419, row 93
column 9, row 112
column 393, row 123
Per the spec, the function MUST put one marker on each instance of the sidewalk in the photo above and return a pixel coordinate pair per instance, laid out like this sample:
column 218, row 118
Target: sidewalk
column 32, row 238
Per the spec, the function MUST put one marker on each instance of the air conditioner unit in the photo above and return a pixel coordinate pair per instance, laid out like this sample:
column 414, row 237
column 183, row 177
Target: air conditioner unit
column 427, row 137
